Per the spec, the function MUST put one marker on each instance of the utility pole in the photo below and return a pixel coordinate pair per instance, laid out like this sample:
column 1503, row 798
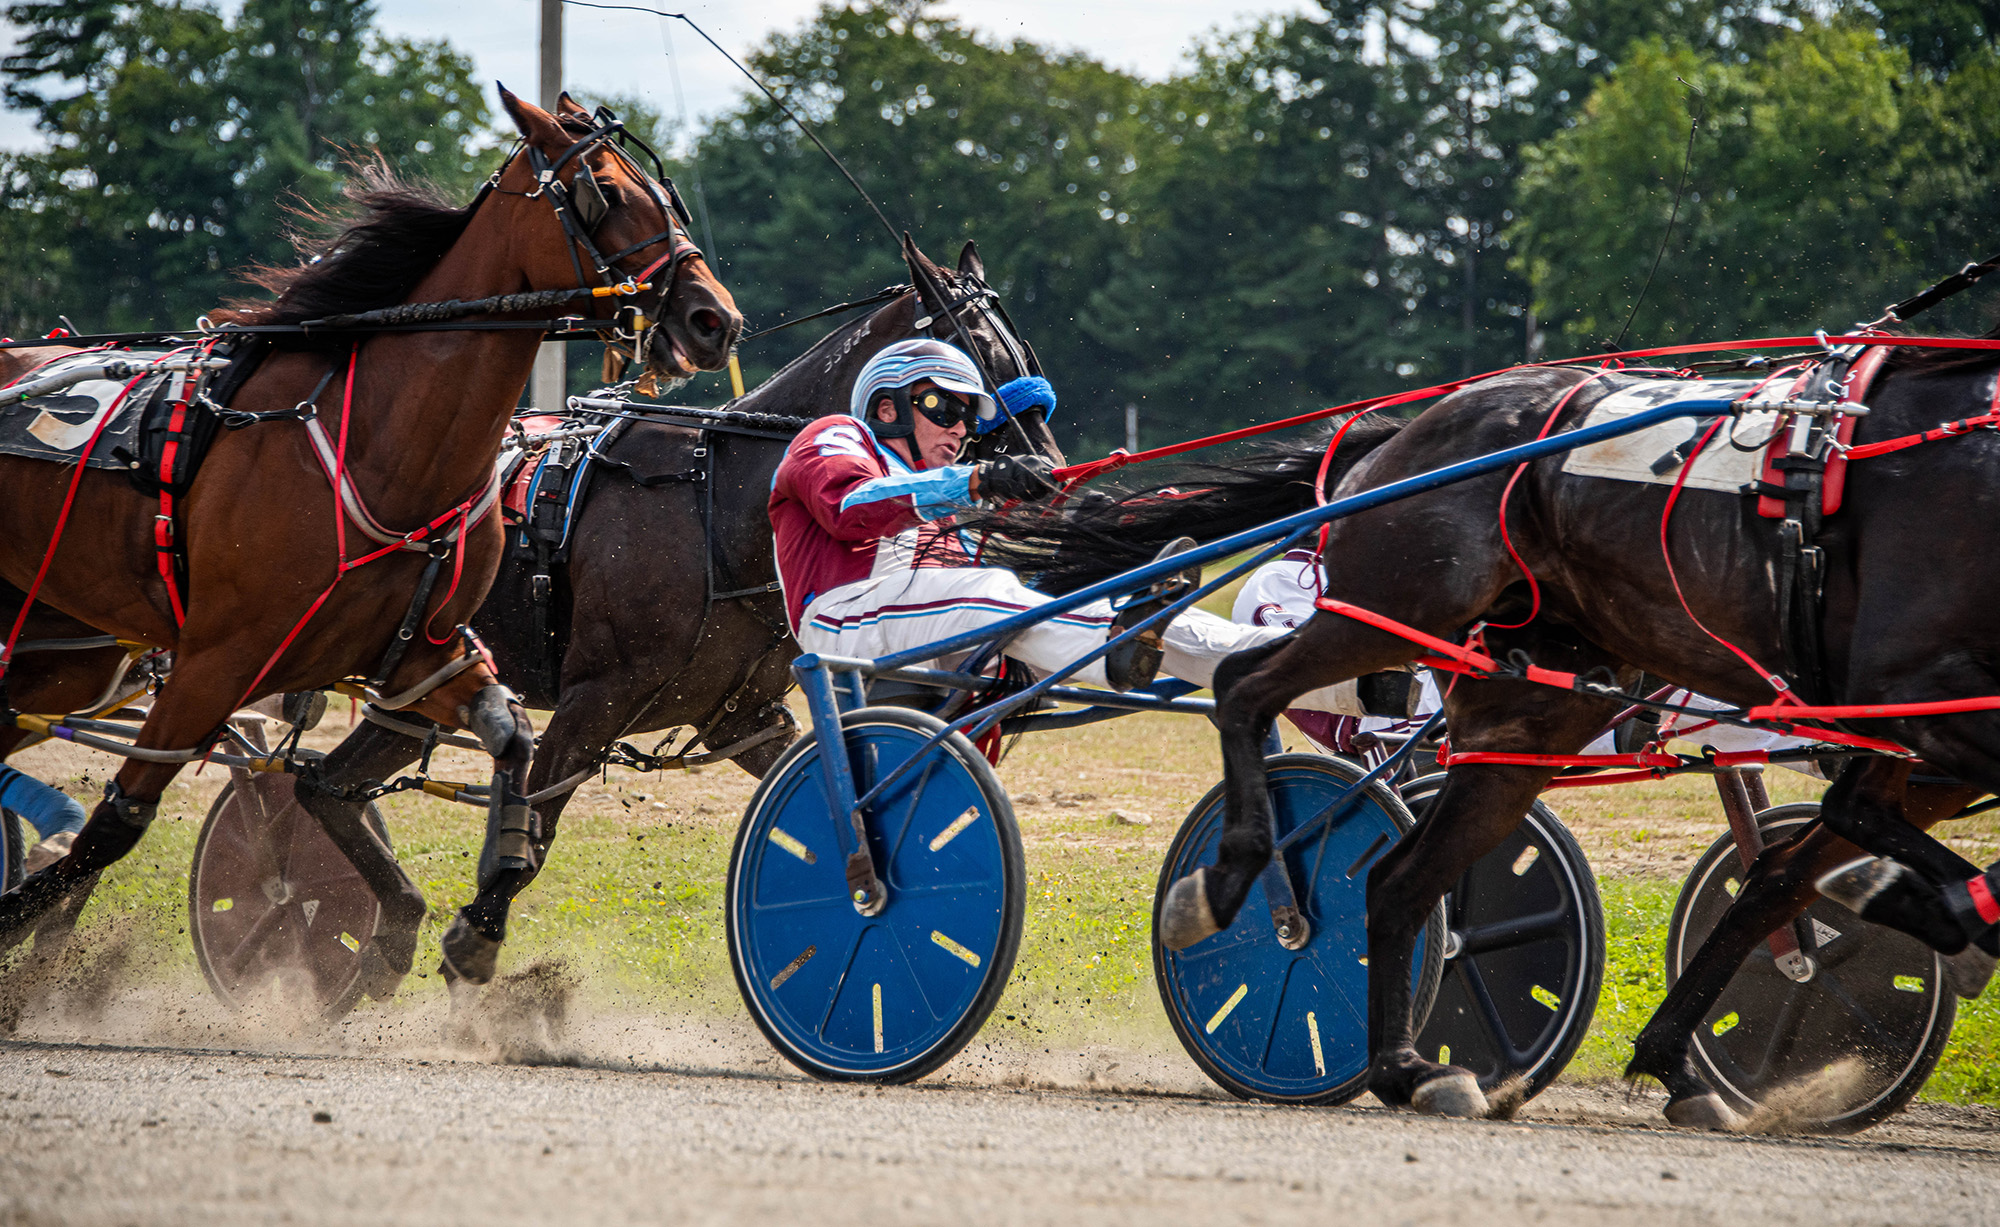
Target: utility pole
column 548, row 389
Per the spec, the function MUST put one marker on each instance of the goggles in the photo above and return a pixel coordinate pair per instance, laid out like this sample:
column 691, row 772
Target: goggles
column 947, row 409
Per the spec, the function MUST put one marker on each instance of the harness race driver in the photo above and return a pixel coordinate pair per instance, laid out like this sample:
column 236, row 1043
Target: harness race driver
column 872, row 564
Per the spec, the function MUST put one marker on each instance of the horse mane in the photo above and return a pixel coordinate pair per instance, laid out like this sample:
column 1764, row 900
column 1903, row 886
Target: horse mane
column 776, row 385
column 1913, row 361
column 1117, row 527
column 387, row 240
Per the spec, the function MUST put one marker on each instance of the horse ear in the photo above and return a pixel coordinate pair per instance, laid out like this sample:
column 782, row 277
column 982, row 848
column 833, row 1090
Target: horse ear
column 566, row 105
column 924, row 275
column 969, row 262
column 915, row 257
column 535, row 124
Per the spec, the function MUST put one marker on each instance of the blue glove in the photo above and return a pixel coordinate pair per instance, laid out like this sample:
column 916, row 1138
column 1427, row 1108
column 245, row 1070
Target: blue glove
column 1018, row 396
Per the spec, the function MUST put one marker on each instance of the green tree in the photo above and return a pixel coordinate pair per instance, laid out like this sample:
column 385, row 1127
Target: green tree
column 178, row 137
column 1033, row 154
column 1817, row 192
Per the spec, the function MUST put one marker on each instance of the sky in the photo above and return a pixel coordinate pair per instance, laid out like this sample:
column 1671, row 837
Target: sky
column 625, row 52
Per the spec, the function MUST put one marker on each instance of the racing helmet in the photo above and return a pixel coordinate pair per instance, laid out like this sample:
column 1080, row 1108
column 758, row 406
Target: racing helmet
column 891, row 372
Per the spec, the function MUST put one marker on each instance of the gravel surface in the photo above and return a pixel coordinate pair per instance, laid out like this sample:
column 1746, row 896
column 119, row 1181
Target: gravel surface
column 115, row 1133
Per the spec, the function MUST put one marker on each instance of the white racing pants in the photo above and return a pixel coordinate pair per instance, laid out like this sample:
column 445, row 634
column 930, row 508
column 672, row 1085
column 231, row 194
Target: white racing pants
column 892, row 613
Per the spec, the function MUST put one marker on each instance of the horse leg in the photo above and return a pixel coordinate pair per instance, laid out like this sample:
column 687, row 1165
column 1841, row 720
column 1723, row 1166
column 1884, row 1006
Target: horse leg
column 1480, row 805
column 61, row 682
column 1251, row 688
column 1917, row 885
column 586, row 719
column 1865, row 807
column 1477, row 809
column 507, row 859
column 1776, row 890
column 368, row 754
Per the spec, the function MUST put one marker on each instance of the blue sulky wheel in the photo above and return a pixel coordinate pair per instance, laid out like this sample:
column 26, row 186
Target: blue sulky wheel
column 890, row 997
column 1524, row 954
column 1289, row 1026
column 13, row 850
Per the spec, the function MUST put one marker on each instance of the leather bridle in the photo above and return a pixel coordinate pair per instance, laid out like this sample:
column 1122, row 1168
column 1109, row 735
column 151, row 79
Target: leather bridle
column 580, row 206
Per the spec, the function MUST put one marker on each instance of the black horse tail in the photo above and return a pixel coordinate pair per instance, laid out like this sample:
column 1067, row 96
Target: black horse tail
column 1113, row 527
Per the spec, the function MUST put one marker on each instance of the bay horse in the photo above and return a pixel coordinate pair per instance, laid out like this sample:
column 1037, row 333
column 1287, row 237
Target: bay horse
column 667, row 614
column 1912, row 574
column 275, row 600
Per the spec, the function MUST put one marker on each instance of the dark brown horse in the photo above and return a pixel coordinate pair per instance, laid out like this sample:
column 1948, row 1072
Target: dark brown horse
column 419, row 418
column 1912, row 579
column 646, row 635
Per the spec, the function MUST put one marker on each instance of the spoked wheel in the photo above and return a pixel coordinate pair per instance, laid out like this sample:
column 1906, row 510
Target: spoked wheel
column 890, row 997
column 1289, row 1026
column 1873, row 993
column 273, row 905
column 1524, row 954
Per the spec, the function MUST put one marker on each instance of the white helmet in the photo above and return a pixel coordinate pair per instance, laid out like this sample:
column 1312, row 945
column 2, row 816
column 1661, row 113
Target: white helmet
column 891, row 372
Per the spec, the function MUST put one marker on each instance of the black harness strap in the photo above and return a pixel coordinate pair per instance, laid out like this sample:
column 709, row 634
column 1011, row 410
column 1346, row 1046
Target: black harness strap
column 1801, row 578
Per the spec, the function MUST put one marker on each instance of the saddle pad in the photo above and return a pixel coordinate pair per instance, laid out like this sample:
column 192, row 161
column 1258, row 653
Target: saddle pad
column 528, row 476
column 1719, row 467
column 518, row 467
column 59, row 425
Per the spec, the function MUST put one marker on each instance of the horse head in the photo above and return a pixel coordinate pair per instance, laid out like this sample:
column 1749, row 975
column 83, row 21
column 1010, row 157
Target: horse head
column 618, row 222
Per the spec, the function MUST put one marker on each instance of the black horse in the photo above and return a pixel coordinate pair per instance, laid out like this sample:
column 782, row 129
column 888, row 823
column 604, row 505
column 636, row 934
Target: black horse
column 1911, row 578
column 666, row 612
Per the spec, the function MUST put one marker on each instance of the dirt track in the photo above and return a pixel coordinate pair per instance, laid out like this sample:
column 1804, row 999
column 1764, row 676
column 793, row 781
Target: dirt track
column 99, row 1132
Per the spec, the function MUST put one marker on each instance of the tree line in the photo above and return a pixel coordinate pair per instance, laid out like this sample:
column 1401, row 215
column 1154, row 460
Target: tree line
column 1320, row 206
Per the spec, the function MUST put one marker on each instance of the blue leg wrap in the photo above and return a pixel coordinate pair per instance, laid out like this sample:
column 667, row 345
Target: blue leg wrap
column 49, row 810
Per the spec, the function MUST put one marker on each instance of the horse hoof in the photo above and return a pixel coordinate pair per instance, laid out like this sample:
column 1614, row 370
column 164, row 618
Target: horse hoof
column 1705, row 1112
column 1452, row 1094
column 1185, row 917
column 1857, row 883
column 470, row 956
column 385, row 960
column 1968, row 971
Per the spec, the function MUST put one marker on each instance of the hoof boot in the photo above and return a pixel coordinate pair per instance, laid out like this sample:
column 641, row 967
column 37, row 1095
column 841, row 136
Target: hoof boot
column 1185, row 917
column 470, row 956
column 1704, row 1112
column 1453, row 1094
column 1968, row 971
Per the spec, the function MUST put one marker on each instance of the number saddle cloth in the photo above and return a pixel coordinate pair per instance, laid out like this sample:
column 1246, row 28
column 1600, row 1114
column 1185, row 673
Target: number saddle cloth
column 1742, row 457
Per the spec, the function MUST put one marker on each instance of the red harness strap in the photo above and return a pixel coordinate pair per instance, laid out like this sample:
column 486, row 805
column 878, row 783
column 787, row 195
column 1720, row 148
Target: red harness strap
column 165, row 546
column 1077, row 474
column 344, row 564
column 1988, row 421
column 62, row 520
column 1453, row 658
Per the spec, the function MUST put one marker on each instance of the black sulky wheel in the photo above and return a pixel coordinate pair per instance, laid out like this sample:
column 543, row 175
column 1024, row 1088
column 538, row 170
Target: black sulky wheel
column 1524, row 954
column 1872, row 993
column 273, row 905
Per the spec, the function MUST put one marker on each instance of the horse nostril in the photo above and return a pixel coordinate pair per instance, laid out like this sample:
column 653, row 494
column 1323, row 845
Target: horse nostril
column 706, row 323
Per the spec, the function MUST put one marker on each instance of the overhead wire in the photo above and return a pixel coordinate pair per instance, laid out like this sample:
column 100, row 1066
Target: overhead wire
column 752, row 77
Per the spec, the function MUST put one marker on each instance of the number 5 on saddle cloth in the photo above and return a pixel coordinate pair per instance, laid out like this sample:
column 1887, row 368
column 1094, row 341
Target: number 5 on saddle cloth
column 127, row 410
